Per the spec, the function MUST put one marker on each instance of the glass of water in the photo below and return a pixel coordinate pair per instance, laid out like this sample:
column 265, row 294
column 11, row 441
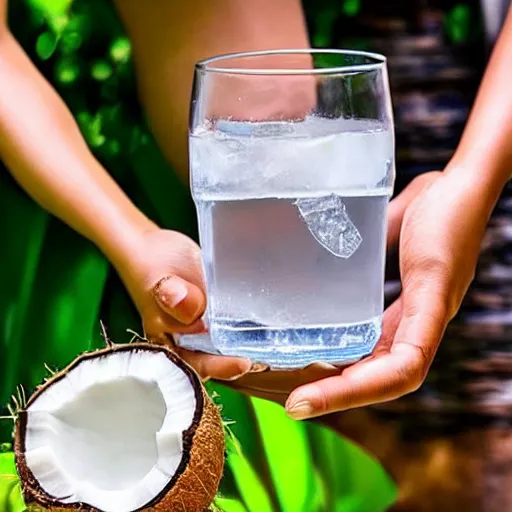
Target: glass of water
column 292, row 169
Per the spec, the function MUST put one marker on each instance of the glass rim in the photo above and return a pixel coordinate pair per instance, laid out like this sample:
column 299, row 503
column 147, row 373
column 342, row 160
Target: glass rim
column 379, row 62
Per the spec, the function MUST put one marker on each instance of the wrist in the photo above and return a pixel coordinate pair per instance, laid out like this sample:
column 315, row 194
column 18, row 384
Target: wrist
column 123, row 239
column 482, row 181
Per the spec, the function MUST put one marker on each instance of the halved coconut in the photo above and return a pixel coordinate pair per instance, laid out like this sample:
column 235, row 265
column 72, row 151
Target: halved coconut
column 124, row 429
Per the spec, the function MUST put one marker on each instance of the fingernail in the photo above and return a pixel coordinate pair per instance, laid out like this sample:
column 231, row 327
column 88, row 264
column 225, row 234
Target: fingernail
column 171, row 291
column 184, row 304
column 237, row 376
column 301, row 410
column 244, row 371
column 258, row 368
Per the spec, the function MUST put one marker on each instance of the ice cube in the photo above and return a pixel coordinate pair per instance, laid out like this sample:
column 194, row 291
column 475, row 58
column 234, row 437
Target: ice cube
column 328, row 221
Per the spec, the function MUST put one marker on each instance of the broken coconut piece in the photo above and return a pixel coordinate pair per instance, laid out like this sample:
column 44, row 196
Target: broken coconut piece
column 128, row 428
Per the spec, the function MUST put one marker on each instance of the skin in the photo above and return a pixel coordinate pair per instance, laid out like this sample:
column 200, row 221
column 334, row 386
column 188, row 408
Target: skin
column 197, row 30
column 438, row 222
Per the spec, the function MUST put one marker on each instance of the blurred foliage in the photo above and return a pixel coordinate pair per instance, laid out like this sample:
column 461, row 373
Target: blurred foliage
column 11, row 499
column 56, row 285
column 458, row 23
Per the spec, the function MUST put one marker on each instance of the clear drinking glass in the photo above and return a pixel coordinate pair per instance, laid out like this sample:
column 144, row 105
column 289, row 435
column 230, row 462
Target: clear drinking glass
column 292, row 168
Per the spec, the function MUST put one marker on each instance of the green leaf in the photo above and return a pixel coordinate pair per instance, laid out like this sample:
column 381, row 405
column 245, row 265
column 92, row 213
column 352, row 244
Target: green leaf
column 458, row 23
column 237, row 406
column 329, row 458
column 92, row 128
column 156, row 184
column 112, row 147
column 18, row 272
column 70, row 41
column 289, row 458
column 318, row 499
column 52, row 281
column 67, row 71
column 45, row 45
column 251, row 489
column 228, row 505
column 237, row 412
column 351, row 7
column 59, row 23
column 51, row 7
column 11, row 499
column 101, row 70
column 354, row 480
column 66, row 297
column 324, row 26
column 7, row 465
column 120, row 50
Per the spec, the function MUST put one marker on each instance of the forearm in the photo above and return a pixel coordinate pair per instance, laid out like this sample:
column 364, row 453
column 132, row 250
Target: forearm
column 195, row 30
column 485, row 150
column 42, row 146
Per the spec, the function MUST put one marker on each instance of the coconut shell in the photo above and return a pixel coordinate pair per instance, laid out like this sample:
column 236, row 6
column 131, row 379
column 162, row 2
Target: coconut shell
column 196, row 481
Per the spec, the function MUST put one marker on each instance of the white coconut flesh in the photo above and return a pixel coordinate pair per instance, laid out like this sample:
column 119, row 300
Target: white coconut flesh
column 109, row 433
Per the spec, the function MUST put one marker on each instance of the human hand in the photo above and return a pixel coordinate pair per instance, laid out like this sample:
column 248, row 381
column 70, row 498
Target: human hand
column 440, row 231
column 164, row 277
column 439, row 222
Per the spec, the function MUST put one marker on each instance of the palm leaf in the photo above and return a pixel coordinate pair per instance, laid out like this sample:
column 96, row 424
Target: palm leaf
column 64, row 304
column 355, row 481
column 20, row 259
column 11, row 499
column 289, row 457
column 227, row 505
column 252, row 490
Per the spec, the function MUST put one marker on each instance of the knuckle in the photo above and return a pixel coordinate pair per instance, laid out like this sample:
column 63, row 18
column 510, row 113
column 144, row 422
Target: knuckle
column 426, row 179
column 431, row 266
column 432, row 276
column 157, row 331
column 410, row 382
column 197, row 363
column 322, row 402
column 154, row 327
column 413, row 374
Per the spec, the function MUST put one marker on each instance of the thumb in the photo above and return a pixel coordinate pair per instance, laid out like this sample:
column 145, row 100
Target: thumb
column 183, row 301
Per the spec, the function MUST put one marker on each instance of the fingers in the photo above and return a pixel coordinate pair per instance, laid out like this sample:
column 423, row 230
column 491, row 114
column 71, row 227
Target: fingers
column 275, row 396
column 160, row 325
column 215, row 367
column 180, row 299
column 208, row 366
column 393, row 370
column 284, row 381
column 390, row 322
